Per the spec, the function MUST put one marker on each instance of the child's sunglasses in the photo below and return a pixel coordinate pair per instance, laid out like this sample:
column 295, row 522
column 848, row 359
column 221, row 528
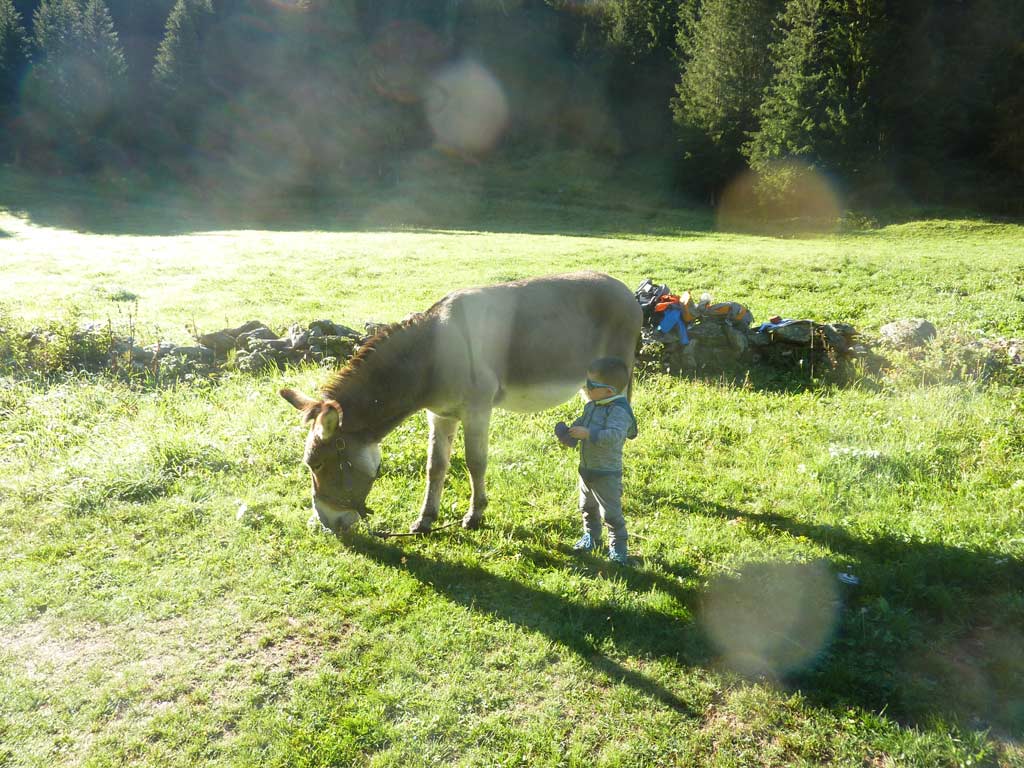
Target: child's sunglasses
column 591, row 384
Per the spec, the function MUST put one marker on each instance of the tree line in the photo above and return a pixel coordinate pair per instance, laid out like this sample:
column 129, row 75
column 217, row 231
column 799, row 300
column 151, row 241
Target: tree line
column 921, row 98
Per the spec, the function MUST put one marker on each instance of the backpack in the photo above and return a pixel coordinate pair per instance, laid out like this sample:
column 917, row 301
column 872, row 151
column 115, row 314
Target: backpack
column 735, row 313
column 648, row 296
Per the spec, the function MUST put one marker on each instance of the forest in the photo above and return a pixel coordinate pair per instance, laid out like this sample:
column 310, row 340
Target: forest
column 893, row 101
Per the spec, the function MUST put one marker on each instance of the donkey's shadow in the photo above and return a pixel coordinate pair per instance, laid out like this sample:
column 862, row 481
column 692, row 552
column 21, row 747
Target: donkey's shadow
column 581, row 629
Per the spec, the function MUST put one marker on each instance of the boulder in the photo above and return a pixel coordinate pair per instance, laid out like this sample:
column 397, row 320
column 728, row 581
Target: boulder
column 337, row 346
column 244, row 328
column 221, row 342
column 330, row 328
column 161, row 349
column 796, row 332
column 298, row 336
column 907, row 333
column 198, row 354
column 243, row 339
column 253, row 362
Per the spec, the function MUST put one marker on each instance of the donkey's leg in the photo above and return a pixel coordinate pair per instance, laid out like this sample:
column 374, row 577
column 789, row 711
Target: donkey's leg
column 475, row 425
column 439, row 451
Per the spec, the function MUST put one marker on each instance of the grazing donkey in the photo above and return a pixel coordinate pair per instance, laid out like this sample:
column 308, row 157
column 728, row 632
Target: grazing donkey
column 522, row 346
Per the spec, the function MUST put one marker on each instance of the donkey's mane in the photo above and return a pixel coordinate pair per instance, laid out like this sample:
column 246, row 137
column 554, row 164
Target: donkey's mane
column 368, row 351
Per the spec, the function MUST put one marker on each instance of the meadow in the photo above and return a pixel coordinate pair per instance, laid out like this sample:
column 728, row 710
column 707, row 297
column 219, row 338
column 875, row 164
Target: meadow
column 162, row 601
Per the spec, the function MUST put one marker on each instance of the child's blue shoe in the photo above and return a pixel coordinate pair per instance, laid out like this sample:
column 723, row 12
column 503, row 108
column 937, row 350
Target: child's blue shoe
column 618, row 557
column 585, row 544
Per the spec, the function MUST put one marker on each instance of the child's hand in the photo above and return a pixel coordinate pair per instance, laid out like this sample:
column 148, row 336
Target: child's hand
column 580, row 433
column 562, row 433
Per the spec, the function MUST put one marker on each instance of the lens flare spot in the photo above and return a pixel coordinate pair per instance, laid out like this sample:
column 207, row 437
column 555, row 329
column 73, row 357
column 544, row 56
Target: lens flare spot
column 785, row 197
column 466, row 108
column 772, row 618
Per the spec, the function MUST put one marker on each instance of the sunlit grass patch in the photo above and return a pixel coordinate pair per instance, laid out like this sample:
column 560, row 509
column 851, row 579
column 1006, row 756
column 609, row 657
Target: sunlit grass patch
column 163, row 602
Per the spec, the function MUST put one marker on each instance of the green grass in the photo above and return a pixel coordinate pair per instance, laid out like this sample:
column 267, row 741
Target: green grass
column 163, row 603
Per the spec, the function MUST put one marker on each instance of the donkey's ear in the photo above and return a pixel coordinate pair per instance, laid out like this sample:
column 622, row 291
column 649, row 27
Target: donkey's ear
column 298, row 400
column 327, row 420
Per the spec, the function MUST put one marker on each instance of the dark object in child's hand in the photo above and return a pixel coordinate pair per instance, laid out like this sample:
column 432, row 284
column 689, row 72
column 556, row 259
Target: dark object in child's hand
column 562, row 433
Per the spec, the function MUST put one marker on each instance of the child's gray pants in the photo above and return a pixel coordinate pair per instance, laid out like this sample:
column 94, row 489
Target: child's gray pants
column 601, row 496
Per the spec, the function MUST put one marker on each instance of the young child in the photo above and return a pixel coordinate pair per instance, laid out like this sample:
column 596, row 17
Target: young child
column 601, row 431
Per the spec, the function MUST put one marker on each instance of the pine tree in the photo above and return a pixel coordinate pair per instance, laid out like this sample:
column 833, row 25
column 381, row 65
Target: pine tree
column 100, row 41
column 13, row 55
column 76, row 81
column 640, row 26
column 178, row 69
column 55, row 25
column 822, row 104
column 726, row 68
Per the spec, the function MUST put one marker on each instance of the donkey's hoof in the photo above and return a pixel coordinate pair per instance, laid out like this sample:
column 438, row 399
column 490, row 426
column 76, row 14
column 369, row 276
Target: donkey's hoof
column 421, row 526
column 472, row 521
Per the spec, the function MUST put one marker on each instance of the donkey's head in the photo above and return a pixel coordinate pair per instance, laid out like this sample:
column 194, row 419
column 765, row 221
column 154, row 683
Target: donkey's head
column 343, row 465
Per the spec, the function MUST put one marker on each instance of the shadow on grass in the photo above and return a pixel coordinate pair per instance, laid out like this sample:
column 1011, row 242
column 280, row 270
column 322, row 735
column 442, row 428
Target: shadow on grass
column 90, row 206
column 931, row 631
column 779, row 378
column 630, row 206
column 582, row 629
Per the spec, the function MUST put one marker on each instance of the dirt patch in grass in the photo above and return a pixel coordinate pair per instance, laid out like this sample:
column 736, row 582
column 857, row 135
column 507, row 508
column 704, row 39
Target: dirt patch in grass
column 153, row 671
column 46, row 653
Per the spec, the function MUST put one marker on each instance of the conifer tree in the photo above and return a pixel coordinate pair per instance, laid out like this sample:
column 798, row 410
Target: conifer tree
column 100, row 41
column 178, row 69
column 13, row 55
column 13, row 62
column 49, row 90
column 726, row 68
column 822, row 104
column 640, row 26
column 77, row 78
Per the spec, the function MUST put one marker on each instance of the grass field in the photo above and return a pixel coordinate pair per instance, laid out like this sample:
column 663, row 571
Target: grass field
column 163, row 603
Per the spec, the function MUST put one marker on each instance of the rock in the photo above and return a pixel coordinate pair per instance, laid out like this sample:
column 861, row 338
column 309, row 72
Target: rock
column 372, row 329
column 298, row 336
column 337, row 346
column 907, row 333
column 758, row 338
column 708, row 331
column 161, row 349
column 253, row 362
column 737, row 339
column 252, row 325
column 1015, row 353
column 91, row 327
column 277, row 345
column 221, row 342
column 141, row 354
column 797, row 332
column 330, row 328
column 243, row 339
column 199, row 354
column 836, row 339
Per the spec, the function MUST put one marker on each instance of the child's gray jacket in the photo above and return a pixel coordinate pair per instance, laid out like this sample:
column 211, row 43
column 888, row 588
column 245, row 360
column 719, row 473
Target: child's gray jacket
column 610, row 424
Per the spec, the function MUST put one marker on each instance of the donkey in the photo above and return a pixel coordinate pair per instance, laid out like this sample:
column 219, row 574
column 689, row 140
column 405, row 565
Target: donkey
column 521, row 346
